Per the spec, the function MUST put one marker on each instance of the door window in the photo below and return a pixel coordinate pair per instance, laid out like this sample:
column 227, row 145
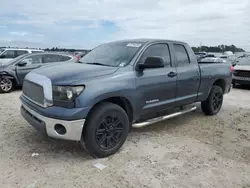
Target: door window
column 37, row 59
column 20, row 52
column 50, row 58
column 8, row 54
column 181, row 55
column 158, row 50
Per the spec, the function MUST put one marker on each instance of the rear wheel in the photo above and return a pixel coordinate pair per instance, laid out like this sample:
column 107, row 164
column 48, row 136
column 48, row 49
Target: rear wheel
column 6, row 85
column 106, row 130
column 214, row 101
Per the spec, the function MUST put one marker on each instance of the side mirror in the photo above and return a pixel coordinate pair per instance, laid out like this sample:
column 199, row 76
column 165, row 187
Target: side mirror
column 21, row 63
column 152, row 62
column 2, row 56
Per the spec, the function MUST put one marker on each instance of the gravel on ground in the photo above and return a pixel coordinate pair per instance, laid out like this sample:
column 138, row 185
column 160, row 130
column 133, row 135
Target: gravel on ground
column 192, row 150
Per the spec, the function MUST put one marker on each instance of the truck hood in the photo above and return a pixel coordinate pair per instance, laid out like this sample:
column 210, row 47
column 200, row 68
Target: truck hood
column 66, row 74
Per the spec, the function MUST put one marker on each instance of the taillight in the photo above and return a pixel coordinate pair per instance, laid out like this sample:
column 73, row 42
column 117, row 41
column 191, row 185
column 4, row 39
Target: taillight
column 232, row 68
column 78, row 58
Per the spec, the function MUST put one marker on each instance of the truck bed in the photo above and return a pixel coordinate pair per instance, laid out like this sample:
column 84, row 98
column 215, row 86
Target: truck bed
column 210, row 72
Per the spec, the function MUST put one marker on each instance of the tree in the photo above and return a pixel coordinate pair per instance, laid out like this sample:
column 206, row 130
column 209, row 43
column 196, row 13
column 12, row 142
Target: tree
column 220, row 48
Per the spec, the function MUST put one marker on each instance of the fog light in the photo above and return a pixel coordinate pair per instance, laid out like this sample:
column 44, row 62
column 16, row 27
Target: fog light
column 60, row 129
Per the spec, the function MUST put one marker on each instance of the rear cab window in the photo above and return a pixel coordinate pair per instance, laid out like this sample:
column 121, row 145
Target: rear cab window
column 182, row 56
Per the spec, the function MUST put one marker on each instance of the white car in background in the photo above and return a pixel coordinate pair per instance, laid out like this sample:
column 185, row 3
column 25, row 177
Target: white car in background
column 212, row 60
column 8, row 54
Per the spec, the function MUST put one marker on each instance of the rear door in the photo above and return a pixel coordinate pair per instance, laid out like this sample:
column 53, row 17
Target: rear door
column 188, row 79
column 32, row 62
column 52, row 58
column 156, row 87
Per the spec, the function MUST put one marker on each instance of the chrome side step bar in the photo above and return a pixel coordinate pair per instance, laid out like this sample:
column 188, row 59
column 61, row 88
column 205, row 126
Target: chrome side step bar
column 158, row 119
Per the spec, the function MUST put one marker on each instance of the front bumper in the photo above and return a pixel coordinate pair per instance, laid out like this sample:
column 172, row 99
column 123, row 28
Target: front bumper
column 241, row 80
column 47, row 125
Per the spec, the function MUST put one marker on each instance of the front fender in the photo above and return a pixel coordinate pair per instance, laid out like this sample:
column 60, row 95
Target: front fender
column 6, row 75
column 109, row 87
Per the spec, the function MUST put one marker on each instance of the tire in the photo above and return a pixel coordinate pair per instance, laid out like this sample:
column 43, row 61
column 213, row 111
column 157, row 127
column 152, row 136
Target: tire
column 214, row 101
column 106, row 130
column 6, row 85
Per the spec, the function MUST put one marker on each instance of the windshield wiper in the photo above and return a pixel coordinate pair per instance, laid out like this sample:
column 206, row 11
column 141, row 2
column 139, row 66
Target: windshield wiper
column 96, row 63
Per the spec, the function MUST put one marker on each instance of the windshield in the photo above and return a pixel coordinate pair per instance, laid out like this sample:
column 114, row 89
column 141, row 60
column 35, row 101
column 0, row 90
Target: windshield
column 1, row 50
column 245, row 61
column 112, row 54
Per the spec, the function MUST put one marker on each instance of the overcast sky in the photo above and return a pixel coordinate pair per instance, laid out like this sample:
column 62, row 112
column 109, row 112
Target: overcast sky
column 87, row 23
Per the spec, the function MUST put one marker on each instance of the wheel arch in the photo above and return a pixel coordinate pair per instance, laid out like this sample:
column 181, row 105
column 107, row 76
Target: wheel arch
column 123, row 102
column 7, row 75
column 221, row 83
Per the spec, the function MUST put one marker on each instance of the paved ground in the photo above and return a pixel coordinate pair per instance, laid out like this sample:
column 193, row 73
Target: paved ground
column 188, row 151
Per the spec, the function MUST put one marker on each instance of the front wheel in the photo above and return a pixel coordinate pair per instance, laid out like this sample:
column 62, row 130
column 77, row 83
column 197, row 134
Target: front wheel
column 214, row 101
column 6, row 85
column 106, row 130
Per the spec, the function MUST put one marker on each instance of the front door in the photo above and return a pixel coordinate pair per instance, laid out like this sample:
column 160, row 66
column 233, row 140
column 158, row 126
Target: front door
column 157, row 86
column 32, row 62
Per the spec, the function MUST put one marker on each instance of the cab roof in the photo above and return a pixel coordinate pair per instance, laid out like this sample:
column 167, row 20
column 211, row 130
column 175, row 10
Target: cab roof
column 149, row 40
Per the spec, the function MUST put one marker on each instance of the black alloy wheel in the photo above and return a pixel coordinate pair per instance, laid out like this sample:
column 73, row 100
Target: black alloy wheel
column 217, row 101
column 106, row 130
column 213, row 103
column 109, row 132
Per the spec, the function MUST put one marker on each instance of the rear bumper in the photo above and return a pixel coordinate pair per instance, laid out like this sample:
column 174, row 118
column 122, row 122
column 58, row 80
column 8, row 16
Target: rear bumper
column 46, row 125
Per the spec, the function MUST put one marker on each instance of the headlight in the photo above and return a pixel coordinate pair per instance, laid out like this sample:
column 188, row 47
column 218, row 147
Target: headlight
column 66, row 93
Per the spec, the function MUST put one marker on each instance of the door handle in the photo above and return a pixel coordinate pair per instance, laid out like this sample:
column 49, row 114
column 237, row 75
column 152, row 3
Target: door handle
column 172, row 74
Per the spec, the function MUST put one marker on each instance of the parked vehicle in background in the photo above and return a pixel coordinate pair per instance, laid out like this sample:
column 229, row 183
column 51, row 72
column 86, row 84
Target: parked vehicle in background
column 13, row 73
column 232, row 59
column 212, row 60
column 119, row 85
column 7, row 54
column 203, row 54
column 210, row 55
column 241, row 73
column 80, row 55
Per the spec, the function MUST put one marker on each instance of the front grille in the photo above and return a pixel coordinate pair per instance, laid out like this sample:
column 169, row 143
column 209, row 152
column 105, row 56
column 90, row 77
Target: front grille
column 242, row 73
column 33, row 91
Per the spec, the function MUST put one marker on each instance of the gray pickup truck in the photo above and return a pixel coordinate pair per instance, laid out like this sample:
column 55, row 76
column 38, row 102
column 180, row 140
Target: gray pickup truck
column 120, row 85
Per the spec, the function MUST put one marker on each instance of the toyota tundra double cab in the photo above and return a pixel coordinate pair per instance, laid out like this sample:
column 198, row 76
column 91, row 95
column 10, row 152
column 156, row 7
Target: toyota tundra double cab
column 120, row 85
